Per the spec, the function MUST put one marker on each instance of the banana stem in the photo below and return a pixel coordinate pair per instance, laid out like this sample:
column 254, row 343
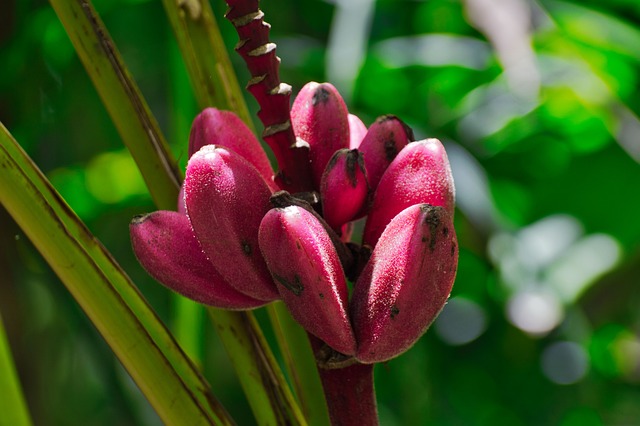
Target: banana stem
column 272, row 95
column 350, row 395
column 349, row 390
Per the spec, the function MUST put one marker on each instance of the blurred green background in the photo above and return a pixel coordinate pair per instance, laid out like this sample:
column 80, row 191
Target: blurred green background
column 538, row 103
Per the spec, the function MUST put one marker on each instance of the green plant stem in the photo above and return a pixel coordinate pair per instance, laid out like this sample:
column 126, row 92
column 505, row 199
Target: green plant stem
column 211, row 74
column 188, row 317
column 12, row 404
column 144, row 346
column 188, row 326
column 122, row 99
column 263, row 383
column 300, row 364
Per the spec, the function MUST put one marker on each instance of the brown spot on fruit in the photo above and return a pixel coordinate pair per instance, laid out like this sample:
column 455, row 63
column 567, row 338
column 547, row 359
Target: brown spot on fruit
column 432, row 219
column 394, row 311
column 353, row 159
column 320, row 96
column 294, row 286
column 246, row 248
column 390, row 149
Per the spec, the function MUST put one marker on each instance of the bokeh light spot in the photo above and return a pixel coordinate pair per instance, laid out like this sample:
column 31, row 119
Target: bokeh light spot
column 564, row 363
column 535, row 311
column 113, row 177
column 461, row 321
column 616, row 352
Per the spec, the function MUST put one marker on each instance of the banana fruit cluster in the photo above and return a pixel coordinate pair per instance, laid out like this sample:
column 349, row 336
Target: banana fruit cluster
column 238, row 242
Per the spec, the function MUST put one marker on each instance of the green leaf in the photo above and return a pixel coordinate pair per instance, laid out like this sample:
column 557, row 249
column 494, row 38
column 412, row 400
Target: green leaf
column 122, row 99
column 144, row 346
column 260, row 376
column 594, row 28
column 300, row 364
column 12, row 405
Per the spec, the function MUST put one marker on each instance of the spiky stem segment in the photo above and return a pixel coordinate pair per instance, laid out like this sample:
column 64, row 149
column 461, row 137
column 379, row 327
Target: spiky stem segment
column 272, row 95
column 347, row 385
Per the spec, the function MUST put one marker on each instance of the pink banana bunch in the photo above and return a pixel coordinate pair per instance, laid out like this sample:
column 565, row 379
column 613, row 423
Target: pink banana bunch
column 238, row 241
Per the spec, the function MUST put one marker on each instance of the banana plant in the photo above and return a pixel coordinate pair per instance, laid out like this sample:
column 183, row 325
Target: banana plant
column 237, row 234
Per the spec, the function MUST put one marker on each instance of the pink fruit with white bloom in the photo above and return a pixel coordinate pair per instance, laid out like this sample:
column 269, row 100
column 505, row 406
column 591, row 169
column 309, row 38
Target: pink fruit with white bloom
column 419, row 174
column 406, row 282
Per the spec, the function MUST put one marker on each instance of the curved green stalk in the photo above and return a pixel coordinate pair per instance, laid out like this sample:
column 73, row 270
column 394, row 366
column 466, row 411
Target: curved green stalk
column 188, row 326
column 121, row 96
column 144, row 346
column 188, row 317
column 263, row 383
column 12, row 405
column 212, row 76
column 300, row 363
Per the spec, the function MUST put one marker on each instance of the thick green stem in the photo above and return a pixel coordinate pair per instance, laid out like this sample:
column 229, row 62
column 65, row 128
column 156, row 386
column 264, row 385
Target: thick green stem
column 122, row 99
column 106, row 294
column 131, row 115
column 300, row 364
column 215, row 84
column 262, row 381
column 12, row 404
column 212, row 76
column 188, row 317
column 188, row 326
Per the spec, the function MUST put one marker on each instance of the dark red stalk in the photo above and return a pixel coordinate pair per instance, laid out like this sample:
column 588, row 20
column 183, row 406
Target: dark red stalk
column 348, row 389
column 350, row 396
column 272, row 95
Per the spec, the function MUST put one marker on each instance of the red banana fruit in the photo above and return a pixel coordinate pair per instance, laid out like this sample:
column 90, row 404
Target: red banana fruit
column 357, row 131
column 419, row 174
column 226, row 199
column 320, row 118
column 406, row 282
column 305, row 266
column 166, row 247
column 343, row 188
column 384, row 140
column 224, row 128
